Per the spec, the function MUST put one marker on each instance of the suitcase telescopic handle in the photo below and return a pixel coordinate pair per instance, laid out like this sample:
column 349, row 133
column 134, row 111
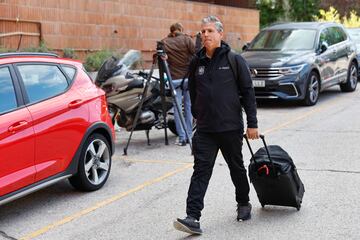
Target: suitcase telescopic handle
column 266, row 148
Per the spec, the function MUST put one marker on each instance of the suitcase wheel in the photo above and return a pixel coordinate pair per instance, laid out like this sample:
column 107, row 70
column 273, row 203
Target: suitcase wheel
column 298, row 207
column 262, row 205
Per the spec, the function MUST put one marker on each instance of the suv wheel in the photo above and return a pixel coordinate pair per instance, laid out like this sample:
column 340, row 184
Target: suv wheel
column 94, row 164
column 312, row 90
column 352, row 78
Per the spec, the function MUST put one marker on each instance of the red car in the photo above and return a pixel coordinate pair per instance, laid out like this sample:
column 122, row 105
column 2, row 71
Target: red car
column 54, row 124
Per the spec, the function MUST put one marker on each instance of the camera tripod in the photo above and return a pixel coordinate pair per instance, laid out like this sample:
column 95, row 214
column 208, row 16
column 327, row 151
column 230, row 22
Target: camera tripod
column 159, row 59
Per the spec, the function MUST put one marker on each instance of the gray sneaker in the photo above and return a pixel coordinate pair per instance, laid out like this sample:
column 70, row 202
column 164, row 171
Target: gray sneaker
column 243, row 212
column 188, row 225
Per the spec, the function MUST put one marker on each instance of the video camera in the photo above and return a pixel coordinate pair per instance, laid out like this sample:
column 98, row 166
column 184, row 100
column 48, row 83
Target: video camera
column 160, row 48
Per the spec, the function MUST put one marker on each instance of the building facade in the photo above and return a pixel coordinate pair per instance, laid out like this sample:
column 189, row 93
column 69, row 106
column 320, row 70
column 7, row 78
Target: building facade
column 91, row 25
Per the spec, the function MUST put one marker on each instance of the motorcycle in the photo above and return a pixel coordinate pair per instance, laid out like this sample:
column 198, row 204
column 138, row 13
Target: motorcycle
column 125, row 89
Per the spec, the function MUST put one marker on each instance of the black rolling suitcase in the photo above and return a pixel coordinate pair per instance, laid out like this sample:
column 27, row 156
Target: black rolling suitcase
column 274, row 176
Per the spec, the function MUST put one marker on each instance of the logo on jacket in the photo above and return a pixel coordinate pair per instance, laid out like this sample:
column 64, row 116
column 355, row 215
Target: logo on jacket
column 201, row 70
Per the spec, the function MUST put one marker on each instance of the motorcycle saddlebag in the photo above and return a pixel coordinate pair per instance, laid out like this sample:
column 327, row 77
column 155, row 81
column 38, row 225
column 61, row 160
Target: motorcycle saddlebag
column 274, row 177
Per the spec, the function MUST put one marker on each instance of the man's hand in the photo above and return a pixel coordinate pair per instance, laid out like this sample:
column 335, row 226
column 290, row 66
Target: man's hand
column 164, row 57
column 252, row 133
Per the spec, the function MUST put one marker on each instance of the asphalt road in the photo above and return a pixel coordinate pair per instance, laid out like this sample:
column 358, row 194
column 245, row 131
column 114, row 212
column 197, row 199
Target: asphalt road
column 147, row 189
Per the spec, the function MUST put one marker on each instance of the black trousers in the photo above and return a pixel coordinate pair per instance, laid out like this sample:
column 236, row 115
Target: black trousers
column 205, row 149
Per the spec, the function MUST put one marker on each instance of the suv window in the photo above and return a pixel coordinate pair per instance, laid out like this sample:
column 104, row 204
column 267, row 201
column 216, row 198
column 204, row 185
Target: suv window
column 42, row 81
column 284, row 39
column 7, row 92
column 332, row 35
column 325, row 37
column 341, row 34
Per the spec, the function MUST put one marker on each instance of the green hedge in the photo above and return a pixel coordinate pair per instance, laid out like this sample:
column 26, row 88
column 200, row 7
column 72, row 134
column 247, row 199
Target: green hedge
column 94, row 60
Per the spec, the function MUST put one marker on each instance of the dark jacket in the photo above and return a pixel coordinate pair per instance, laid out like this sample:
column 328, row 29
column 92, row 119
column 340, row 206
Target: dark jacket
column 214, row 92
column 179, row 49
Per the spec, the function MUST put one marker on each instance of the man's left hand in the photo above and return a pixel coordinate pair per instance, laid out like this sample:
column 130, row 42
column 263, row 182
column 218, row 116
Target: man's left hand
column 252, row 133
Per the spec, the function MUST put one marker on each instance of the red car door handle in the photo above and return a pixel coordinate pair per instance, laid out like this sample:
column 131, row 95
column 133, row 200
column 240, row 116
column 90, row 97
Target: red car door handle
column 18, row 126
column 76, row 103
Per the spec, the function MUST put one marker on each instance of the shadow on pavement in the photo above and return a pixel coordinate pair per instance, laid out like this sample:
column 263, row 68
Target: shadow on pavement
column 190, row 237
column 276, row 212
column 139, row 141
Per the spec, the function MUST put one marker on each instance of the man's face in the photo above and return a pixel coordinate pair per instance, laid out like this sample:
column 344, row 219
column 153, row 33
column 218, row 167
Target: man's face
column 210, row 37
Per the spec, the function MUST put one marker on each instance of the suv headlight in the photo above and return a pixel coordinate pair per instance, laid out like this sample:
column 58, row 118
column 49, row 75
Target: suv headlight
column 291, row 70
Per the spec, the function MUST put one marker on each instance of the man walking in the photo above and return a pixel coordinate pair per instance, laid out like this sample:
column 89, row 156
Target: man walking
column 214, row 92
column 180, row 50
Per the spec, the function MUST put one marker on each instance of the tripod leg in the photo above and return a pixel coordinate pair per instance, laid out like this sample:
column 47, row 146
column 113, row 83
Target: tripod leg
column 147, row 137
column 143, row 96
column 165, row 68
column 162, row 93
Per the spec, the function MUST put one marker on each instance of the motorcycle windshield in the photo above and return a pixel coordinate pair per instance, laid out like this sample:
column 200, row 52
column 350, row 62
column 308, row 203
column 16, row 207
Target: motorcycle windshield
column 132, row 56
column 115, row 66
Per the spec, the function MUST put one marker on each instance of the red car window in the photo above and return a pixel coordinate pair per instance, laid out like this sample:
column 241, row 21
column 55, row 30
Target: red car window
column 42, row 81
column 7, row 92
column 70, row 72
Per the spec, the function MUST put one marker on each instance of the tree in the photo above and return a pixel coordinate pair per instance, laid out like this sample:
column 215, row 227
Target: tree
column 270, row 11
column 332, row 15
column 344, row 7
column 353, row 21
column 303, row 10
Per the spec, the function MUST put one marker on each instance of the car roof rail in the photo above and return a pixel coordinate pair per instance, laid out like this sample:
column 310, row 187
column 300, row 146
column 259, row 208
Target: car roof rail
column 28, row 54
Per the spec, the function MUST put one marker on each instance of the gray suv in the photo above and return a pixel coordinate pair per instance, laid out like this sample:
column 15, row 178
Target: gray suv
column 296, row 61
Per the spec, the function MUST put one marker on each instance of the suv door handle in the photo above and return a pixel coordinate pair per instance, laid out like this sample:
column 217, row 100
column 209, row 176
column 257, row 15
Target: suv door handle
column 18, row 126
column 76, row 103
column 334, row 51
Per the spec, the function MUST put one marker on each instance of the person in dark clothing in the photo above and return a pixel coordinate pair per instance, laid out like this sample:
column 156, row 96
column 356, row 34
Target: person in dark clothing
column 216, row 105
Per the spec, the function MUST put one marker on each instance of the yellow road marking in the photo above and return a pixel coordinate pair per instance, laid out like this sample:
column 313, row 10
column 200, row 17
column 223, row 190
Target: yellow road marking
column 300, row 117
column 150, row 182
column 103, row 203
column 155, row 161
column 152, row 161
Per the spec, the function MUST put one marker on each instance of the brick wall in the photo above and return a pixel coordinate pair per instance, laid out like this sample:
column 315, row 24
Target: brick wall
column 234, row 3
column 15, row 34
column 122, row 24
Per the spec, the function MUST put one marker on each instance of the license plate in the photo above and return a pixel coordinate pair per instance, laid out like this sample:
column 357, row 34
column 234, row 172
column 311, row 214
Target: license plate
column 258, row 83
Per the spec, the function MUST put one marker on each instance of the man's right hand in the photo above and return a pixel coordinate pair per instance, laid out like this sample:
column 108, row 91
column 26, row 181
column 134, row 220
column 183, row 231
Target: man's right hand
column 252, row 133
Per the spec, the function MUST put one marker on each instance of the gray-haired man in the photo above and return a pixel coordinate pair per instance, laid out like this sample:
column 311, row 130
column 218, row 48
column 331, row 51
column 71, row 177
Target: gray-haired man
column 214, row 94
